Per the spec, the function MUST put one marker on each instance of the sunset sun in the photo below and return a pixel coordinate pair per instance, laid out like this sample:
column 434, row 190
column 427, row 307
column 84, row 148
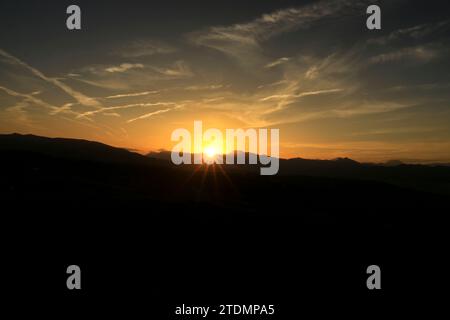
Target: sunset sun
column 210, row 151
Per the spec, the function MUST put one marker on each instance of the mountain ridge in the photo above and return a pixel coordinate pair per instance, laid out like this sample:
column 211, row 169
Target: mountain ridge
column 434, row 179
column 79, row 149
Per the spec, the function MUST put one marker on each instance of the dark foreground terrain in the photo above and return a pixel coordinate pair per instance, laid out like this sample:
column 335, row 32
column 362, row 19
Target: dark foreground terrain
column 149, row 236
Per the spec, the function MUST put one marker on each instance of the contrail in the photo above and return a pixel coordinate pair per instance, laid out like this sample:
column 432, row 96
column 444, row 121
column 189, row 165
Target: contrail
column 81, row 98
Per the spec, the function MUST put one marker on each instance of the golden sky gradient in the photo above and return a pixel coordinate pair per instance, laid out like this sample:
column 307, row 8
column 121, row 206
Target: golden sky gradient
column 312, row 70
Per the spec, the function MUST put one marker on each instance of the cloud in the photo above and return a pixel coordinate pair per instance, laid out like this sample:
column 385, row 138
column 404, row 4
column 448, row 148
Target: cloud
column 300, row 95
column 273, row 84
column 127, row 106
column 205, row 87
column 130, row 76
column 136, row 94
column 111, row 114
column 369, row 108
column 20, row 114
column 124, row 67
column 178, row 70
column 355, row 109
column 418, row 53
column 31, row 99
column 210, row 100
column 148, row 115
column 81, row 98
column 330, row 82
column 277, row 62
column 63, row 109
column 142, row 48
column 243, row 41
column 422, row 86
column 415, row 32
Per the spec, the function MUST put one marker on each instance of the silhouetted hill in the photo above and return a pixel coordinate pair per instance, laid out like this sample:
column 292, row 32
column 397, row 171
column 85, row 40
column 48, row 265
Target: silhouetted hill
column 188, row 228
column 432, row 178
column 107, row 175
column 162, row 154
column 392, row 163
column 70, row 148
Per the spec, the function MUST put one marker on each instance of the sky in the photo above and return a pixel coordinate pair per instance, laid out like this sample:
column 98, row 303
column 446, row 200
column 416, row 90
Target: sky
column 137, row 70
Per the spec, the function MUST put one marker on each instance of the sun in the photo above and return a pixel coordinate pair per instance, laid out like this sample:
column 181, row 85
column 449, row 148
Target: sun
column 210, row 151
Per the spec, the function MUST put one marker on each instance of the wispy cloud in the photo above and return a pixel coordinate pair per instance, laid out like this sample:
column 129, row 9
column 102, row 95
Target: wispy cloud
column 81, row 98
column 243, row 41
column 29, row 97
column 124, row 67
column 132, row 76
column 204, row 87
column 418, row 53
column 414, row 32
column 273, row 84
column 136, row 94
column 148, row 115
column 277, row 62
column 142, row 48
column 66, row 108
column 300, row 95
column 31, row 100
column 127, row 106
column 180, row 69
column 20, row 114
